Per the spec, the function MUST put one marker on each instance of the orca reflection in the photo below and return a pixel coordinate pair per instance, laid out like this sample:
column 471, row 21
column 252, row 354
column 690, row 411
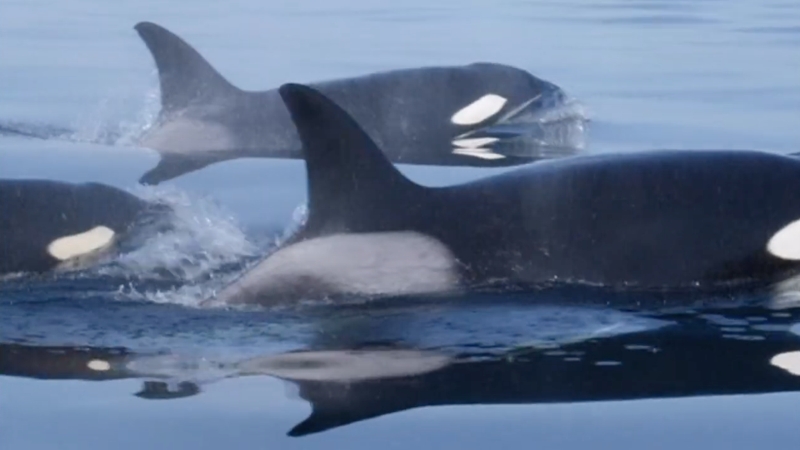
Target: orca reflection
column 691, row 358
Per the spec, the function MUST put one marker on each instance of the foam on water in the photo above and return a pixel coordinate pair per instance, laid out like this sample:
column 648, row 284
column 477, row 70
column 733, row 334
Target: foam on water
column 555, row 126
column 202, row 238
column 551, row 132
column 200, row 248
column 206, row 250
column 119, row 119
column 198, row 244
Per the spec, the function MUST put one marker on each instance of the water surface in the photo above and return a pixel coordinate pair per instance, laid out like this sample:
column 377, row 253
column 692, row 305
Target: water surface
column 122, row 357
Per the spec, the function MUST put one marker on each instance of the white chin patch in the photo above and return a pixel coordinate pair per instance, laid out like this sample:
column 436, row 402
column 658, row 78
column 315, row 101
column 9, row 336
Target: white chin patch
column 789, row 361
column 479, row 110
column 474, row 147
column 68, row 247
column 785, row 244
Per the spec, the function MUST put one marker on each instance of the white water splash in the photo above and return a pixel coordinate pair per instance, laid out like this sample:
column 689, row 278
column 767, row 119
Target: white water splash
column 557, row 109
column 202, row 238
column 203, row 242
column 190, row 295
column 562, row 125
column 299, row 217
column 119, row 119
column 553, row 126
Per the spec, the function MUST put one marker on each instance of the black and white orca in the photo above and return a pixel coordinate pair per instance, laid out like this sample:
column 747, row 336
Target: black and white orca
column 427, row 115
column 647, row 220
column 51, row 225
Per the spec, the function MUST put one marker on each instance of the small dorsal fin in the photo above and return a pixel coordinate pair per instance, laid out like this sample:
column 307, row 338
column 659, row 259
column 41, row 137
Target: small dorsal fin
column 348, row 175
column 184, row 75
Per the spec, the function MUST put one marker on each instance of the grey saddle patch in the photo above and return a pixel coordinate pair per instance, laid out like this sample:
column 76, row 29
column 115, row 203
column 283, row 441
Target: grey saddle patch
column 187, row 135
column 345, row 365
column 394, row 263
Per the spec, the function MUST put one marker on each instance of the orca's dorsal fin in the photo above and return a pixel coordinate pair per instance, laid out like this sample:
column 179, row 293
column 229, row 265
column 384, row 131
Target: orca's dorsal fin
column 184, row 75
column 348, row 175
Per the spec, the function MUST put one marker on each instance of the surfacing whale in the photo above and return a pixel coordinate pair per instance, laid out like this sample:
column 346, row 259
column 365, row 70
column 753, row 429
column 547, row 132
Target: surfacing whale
column 428, row 115
column 649, row 220
column 51, row 225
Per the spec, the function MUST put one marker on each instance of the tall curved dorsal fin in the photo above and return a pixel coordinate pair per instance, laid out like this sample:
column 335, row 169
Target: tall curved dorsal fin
column 348, row 175
column 184, row 75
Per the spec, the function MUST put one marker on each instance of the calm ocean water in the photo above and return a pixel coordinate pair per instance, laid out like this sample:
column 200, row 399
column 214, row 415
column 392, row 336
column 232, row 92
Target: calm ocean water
column 120, row 357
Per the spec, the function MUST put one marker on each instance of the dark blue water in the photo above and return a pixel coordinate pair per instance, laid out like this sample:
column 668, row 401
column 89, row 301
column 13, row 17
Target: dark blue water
column 121, row 356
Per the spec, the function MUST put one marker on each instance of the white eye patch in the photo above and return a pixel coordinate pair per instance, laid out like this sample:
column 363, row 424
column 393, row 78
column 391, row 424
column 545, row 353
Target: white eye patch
column 69, row 247
column 785, row 244
column 789, row 361
column 479, row 110
column 98, row 365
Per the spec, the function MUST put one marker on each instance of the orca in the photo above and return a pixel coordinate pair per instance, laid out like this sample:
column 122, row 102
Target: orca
column 659, row 219
column 52, row 225
column 431, row 115
column 344, row 386
column 681, row 361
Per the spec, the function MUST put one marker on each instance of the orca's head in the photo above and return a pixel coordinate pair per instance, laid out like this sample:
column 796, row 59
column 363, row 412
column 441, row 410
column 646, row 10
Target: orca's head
column 103, row 225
